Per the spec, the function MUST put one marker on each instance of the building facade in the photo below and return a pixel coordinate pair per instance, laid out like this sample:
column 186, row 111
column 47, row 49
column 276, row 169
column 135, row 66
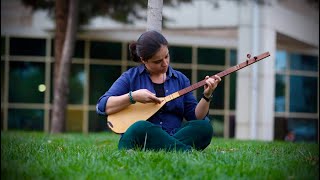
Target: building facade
column 264, row 101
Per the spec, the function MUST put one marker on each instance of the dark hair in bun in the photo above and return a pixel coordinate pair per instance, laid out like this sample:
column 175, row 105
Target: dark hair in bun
column 133, row 52
column 147, row 45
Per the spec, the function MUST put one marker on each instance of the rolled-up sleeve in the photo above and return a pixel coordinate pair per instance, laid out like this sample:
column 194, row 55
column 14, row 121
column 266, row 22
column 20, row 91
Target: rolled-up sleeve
column 101, row 106
column 119, row 87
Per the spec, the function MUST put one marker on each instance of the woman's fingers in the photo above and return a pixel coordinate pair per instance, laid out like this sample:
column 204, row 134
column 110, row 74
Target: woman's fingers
column 211, row 84
column 155, row 99
column 146, row 96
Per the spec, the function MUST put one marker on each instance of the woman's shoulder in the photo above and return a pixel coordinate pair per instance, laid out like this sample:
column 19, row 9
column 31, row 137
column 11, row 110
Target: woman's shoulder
column 179, row 74
column 133, row 70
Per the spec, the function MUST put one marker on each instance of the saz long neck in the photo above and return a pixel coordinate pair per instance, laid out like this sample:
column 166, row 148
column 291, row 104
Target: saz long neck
column 220, row 74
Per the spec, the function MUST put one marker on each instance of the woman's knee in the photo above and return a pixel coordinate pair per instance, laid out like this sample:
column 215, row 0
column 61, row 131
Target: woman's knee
column 139, row 128
column 141, row 124
column 208, row 127
column 134, row 136
column 204, row 127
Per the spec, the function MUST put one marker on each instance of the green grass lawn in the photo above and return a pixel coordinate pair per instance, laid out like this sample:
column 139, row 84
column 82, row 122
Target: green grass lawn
column 35, row 155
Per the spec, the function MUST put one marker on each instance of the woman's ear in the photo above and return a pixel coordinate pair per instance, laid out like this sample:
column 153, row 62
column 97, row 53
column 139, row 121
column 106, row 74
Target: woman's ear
column 142, row 60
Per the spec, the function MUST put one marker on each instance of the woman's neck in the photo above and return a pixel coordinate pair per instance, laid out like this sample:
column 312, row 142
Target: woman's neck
column 158, row 78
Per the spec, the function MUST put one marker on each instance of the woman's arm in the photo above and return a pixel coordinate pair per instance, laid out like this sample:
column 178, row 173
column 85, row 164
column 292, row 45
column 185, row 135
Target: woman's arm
column 202, row 109
column 203, row 106
column 118, row 103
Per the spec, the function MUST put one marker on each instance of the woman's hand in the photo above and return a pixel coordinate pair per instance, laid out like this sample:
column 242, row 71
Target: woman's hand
column 145, row 96
column 211, row 84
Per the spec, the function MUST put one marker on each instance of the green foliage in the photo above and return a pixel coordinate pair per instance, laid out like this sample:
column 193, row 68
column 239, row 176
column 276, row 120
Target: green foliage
column 32, row 155
column 120, row 10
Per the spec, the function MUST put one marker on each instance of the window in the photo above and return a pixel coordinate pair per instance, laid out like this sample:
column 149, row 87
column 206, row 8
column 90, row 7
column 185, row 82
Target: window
column 27, row 46
column 280, row 99
column 305, row 130
column 217, row 122
column 281, row 60
column 179, row 54
column 233, row 79
column 78, row 49
column 101, row 79
column 105, row 50
column 77, row 81
column 25, row 81
column 303, row 94
column 25, row 119
column 74, row 120
column 186, row 72
column 233, row 57
column 296, row 83
column 232, row 126
column 303, row 62
column 296, row 96
column 211, row 56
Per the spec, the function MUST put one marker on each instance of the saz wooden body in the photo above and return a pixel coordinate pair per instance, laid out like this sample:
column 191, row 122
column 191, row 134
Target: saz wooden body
column 119, row 122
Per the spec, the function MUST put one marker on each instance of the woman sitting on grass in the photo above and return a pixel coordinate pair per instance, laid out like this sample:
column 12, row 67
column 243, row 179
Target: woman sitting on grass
column 151, row 79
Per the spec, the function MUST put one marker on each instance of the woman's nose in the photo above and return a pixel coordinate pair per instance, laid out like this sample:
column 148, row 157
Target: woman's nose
column 165, row 62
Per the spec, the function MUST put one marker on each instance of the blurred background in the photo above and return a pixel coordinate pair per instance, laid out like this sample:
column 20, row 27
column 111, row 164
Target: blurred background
column 269, row 100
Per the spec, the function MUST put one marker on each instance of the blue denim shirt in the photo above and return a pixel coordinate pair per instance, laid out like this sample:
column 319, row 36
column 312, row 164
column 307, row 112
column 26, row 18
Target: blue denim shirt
column 168, row 117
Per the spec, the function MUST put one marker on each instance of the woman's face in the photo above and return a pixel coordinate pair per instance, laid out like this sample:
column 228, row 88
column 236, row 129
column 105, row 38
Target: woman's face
column 159, row 63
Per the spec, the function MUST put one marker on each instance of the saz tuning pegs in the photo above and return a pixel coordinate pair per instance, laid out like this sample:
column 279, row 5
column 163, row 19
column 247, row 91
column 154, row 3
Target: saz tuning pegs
column 248, row 56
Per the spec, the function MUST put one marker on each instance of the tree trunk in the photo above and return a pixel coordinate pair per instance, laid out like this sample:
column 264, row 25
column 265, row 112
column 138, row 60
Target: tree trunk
column 62, row 82
column 154, row 15
column 61, row 12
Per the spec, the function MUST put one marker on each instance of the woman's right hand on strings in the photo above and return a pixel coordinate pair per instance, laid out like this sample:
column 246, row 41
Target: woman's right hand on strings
column 145, row 96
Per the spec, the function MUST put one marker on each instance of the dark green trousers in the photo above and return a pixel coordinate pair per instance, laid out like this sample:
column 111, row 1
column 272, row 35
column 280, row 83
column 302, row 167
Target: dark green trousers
column 144, row 135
